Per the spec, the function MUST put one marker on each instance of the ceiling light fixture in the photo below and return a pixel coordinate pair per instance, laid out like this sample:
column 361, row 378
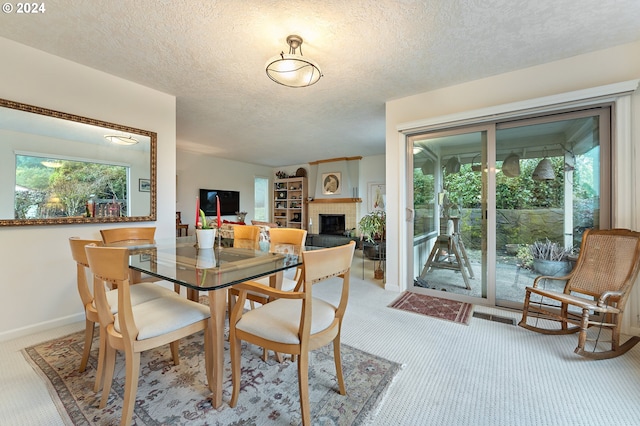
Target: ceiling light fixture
column 544, row 170
column 121, row 140
column 52, row 164
column 293, row 70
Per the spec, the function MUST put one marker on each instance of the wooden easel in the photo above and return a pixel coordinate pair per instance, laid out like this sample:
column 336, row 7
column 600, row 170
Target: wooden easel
column 448, row 251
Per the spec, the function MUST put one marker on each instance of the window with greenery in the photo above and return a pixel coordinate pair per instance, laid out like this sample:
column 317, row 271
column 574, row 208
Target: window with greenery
column 53, row 187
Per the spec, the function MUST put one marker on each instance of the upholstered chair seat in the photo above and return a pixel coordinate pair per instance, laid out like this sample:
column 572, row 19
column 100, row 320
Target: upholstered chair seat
column 279, row 320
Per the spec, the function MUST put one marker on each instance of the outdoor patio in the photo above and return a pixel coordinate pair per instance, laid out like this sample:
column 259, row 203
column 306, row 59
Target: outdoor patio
column 511, row 279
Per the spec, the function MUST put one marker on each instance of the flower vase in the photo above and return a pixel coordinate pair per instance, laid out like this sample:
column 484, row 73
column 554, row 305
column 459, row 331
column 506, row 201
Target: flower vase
column 205, row 238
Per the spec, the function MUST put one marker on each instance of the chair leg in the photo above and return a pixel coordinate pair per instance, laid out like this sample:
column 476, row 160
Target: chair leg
column 132, row 372
column 109, row 367
column 235, row 346
column 564, row 310
column 88, row 339
column 303, row 387
column 175, row 349
column 102, row 350
column 584, row 325
column 338, row 361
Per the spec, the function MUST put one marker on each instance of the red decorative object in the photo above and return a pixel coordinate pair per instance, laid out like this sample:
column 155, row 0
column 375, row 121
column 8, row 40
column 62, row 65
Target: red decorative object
column 197, row 211
column 218, row 211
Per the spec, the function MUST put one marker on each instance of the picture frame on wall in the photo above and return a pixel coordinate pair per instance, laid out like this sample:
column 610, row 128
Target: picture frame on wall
column 377, row 196
column 144, row 185
column 331, row 183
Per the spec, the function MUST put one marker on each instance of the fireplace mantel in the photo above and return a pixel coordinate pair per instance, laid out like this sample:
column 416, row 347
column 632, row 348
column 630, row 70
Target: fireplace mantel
column 336, row 200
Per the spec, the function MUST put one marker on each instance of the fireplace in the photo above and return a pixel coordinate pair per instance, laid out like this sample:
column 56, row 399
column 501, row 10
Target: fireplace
column 332, row 224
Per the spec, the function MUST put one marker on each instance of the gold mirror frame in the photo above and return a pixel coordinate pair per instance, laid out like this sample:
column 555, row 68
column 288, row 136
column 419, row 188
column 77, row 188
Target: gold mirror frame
column 108, row 127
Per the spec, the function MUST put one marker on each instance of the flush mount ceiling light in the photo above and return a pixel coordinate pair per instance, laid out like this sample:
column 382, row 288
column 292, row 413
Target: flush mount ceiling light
column 293, row 70
column 53, row 164
column 121, row 139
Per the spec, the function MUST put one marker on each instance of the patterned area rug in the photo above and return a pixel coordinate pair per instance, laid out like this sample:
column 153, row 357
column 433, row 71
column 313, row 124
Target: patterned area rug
column 436, row 307
column 178, row 395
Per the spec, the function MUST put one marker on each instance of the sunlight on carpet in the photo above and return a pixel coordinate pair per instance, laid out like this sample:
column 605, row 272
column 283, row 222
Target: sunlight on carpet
column 169, row 394
column 436, row 307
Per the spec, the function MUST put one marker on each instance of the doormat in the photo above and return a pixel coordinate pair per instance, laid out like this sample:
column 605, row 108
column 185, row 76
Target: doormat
column 436, row 307
column 178, row 394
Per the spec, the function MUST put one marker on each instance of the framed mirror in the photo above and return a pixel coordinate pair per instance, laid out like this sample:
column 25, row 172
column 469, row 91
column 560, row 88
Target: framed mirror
column 59, row 168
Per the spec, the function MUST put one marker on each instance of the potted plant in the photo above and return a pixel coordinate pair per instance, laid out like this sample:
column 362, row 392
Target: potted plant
column 372, row 228
column 550, row 258
column 205, row 234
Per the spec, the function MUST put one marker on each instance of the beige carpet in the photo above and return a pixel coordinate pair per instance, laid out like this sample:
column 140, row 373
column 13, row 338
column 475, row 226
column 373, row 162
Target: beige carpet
column 172, row 395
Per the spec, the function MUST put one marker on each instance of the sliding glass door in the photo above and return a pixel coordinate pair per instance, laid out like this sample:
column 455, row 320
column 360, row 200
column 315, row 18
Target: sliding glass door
column 449, row 198
column 489, row 200
column 551, row 175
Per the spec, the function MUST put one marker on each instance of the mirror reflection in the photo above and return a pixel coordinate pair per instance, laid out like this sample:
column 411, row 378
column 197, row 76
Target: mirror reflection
column 62, row 168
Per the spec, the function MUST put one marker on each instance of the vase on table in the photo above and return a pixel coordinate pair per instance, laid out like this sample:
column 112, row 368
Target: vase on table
column 205, row 238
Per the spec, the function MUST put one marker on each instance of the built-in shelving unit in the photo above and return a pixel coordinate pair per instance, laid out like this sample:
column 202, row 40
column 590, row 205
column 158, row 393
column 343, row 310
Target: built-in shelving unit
column 290, row 202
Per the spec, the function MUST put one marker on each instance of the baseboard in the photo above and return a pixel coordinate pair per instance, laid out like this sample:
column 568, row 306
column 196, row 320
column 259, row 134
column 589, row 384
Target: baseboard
column 39, row 327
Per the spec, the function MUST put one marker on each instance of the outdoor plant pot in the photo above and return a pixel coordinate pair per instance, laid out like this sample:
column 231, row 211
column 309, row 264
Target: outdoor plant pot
column 512, row 249
column 551, row 267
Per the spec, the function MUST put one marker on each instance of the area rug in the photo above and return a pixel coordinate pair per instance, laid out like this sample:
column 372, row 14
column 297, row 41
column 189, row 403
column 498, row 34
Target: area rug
column 178, row 395
column 450, row 310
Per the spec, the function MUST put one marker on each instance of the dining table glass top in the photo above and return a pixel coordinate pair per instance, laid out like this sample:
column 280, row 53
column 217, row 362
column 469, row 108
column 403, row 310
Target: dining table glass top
column 180, row 261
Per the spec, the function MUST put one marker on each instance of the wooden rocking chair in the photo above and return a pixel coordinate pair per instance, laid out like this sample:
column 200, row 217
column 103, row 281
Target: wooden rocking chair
column 598, row 287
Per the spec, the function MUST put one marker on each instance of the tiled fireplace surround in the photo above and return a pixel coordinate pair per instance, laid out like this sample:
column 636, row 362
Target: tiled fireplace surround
column 349, row 209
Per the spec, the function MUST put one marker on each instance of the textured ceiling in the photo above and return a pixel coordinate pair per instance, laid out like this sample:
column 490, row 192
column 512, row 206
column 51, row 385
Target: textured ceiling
column 211, row 56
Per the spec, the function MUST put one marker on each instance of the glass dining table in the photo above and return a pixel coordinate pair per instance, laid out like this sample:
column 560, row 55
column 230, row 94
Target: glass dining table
column 212, row 270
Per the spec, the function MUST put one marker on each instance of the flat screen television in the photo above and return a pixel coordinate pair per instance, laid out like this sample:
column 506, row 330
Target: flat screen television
column 229, row 202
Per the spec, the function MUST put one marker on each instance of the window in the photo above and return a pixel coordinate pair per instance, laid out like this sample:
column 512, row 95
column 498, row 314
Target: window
column 58, row 187
column 261, row 199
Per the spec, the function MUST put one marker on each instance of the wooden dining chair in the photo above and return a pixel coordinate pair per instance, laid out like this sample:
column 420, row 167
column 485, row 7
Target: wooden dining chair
column 246, row 236
column 131, row 236
column 140, row 293
column 181, row 226
column 282, row 240
column 137, row 328
column 295, row 322
column 286, row 241
column 595, row 293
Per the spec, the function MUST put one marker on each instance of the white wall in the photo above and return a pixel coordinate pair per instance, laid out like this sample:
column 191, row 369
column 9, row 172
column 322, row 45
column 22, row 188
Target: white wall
column 38, row 275
column 599, row 68
column 197, row 171
column 372, row 170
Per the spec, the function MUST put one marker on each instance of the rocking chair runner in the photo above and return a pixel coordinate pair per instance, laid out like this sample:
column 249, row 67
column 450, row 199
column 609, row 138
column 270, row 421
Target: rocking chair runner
column 598, row 286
